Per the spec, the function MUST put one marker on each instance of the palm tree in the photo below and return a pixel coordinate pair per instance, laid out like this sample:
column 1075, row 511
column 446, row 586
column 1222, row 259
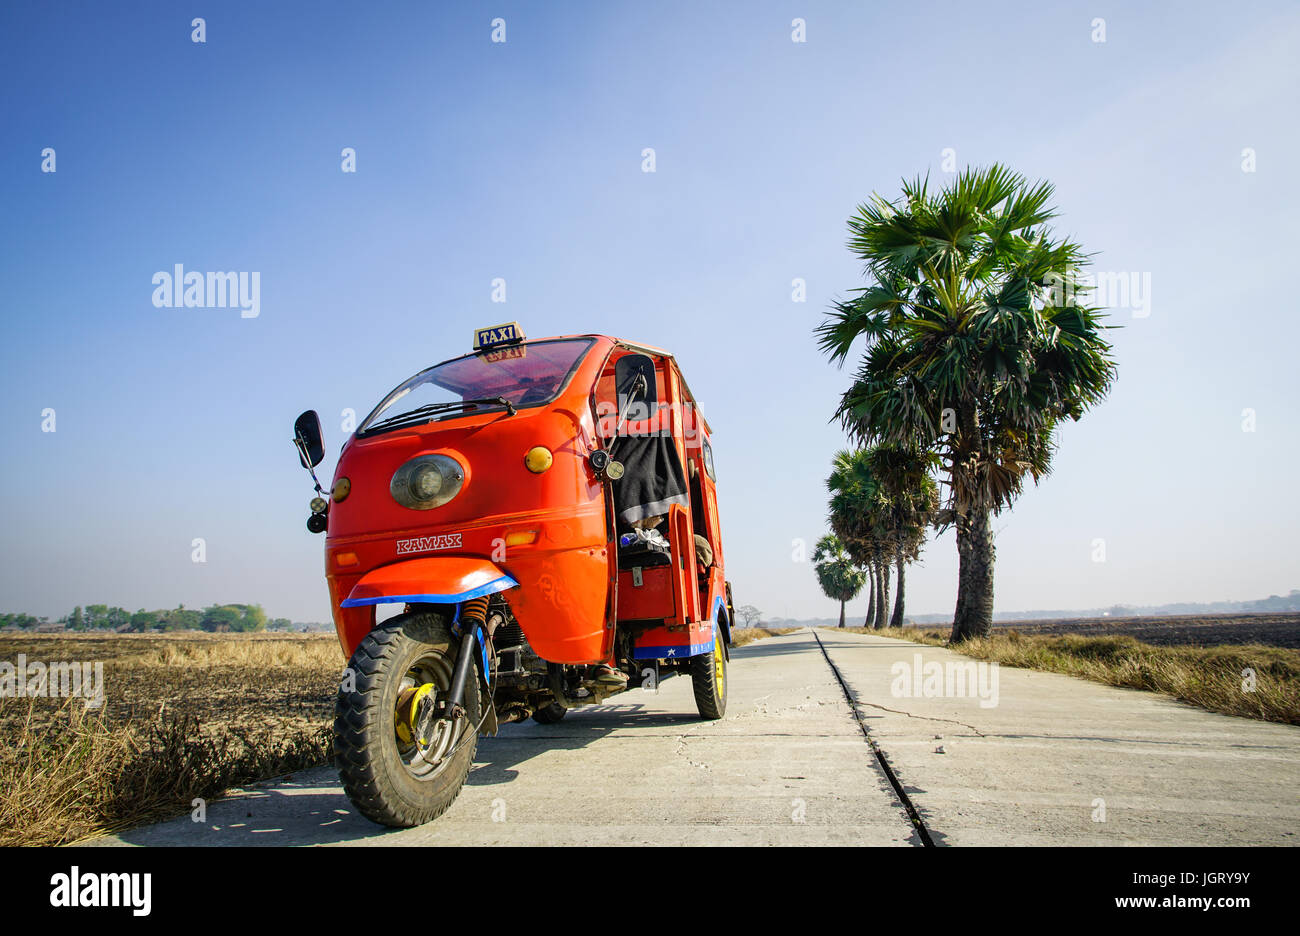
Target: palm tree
column 858, row 517
column 912, row 501
column 839, row 578
column 881, row 565
column 975, row 348
column 871, row 603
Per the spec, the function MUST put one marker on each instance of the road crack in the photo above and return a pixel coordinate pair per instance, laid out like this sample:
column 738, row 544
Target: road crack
column 949, row 721
column 680, row 751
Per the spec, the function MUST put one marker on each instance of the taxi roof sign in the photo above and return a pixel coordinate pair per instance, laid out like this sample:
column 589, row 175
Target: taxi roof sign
column 495, row 335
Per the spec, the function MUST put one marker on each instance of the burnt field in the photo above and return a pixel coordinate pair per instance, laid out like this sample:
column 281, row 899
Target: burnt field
column 1193, row 630
column 270, row 682
column 182, row 716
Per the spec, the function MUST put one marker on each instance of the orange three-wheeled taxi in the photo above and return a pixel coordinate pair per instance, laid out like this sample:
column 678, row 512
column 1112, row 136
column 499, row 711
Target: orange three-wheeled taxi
column 545, row 513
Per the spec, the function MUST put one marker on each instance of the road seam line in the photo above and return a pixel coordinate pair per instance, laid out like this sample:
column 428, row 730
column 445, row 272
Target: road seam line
column 912, row 814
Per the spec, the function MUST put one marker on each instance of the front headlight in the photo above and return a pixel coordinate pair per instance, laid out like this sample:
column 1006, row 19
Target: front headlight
column 427, row 482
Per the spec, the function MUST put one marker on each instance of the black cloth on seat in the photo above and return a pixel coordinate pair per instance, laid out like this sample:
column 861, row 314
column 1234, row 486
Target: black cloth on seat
column 652, row 479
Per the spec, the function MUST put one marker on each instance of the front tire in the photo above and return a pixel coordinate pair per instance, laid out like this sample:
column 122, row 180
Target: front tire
column 709, row 678
column 397, row 769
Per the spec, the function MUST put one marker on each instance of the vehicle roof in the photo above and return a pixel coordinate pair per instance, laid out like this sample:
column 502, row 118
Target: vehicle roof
column 648, row 349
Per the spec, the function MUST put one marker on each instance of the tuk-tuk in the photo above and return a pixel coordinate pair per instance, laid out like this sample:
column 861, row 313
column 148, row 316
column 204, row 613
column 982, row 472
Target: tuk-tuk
column 545, row 513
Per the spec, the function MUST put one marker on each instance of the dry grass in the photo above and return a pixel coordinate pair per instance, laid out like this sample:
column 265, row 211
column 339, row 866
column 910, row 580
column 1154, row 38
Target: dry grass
column 747, row 635
column 1212, row 678
column 189, row 648
column 259, row 654
column 89, row 777
column 185, row 716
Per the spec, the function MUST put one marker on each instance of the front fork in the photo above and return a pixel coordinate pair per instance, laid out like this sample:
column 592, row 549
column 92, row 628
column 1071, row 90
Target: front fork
column 471, row 621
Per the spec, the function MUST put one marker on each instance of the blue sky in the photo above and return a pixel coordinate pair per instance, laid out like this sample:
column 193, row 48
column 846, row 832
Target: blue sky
column 522, row 160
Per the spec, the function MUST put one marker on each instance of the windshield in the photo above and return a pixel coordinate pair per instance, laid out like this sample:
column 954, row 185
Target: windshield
column 524, row 375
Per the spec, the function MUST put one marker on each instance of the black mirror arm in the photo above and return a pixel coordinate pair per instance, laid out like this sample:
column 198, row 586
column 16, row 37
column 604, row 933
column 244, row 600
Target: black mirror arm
column 301, row 445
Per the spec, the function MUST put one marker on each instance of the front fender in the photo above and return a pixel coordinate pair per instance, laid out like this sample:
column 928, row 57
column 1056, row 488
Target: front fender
column 431, row 580
column 443, row 580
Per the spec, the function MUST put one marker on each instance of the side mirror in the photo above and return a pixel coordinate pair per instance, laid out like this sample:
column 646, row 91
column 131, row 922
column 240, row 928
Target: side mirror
column 309, row 439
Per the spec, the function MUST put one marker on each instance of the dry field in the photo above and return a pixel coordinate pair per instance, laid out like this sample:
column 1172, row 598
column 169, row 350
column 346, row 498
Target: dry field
column 1233, row 665
column 184, row 716
column 1195, row 630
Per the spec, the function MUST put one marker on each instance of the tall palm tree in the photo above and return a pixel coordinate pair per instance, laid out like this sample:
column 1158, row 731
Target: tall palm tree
column 975, row 348
column 858, row 517
column 838, row 576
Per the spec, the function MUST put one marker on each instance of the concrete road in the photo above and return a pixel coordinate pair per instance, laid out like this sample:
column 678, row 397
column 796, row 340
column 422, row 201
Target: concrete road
column 1045, row 760
column 1065, row 761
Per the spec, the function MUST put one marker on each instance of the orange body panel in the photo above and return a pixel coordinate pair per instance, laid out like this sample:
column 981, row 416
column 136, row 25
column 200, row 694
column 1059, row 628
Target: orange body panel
column 652, row 599
column 564, row 574
column 550, row 532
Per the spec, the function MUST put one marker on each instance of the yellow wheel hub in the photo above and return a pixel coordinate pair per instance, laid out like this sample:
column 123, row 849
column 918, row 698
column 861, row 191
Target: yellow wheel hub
column 719, row 664
column 408, row 709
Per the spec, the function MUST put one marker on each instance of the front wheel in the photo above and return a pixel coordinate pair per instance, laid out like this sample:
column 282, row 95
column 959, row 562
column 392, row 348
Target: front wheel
column 400, row 765
column 709, row 678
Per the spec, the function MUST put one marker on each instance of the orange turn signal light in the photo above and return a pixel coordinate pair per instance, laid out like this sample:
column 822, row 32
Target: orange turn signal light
column 345, row 559
column 522, row 538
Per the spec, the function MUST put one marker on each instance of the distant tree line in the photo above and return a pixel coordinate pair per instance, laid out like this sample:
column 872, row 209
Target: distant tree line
column 225, row 618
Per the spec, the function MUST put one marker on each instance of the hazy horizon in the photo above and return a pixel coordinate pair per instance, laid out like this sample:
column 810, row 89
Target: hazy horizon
column 911, row 614
column 523, row 161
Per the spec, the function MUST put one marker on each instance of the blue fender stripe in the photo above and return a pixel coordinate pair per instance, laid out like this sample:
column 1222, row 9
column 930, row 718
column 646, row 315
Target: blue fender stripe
column 496, row 585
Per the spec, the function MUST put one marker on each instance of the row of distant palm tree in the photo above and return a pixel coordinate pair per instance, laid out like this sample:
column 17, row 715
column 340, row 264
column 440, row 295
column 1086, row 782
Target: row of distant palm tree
column 976, row 348
column 883, row 501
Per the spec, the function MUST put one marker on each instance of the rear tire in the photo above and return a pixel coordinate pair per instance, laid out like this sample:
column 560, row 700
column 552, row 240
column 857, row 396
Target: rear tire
column 709, row 678
column 386, row 776
column 549, row 714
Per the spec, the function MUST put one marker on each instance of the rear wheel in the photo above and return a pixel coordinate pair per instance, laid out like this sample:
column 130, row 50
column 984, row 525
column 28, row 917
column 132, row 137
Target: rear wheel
column 400, row 765
column 709, row 678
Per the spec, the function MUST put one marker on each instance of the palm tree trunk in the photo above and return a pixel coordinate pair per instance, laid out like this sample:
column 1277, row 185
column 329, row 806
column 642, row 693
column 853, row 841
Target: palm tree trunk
column 974, row 614
column 841, row 614
column 898, row 599
column 871, row 608
column 882, row 607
